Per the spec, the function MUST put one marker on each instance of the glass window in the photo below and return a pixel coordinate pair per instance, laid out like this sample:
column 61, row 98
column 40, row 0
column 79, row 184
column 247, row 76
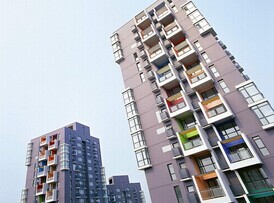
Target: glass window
column 216, row 111
column 189, row 7
column 138, row 139
column 131, row 109
column 205, row 164
column 202, row 25
column 171, row 172
column 209, row 93
column 178, row 194
column 116, row 46
column 251, row 93
column 206, row 58
column 224, row 86
column 264, row 112
column 134, row 124
column 174, row 8
column 261, row 146
column 229, row 130
column 195, row 16
column 214, row 71
column 136, row 58
column 198, row 46
column 139, row 66
column 118, row 55
column 188, row 122
column 142, row 157
column 142, row 77
column 114, row 38
column 128, row 96
column 190, row 188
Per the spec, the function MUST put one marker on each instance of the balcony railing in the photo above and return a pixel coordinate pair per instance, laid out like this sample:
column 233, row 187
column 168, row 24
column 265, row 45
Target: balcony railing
column 43, row 140
column 184, row 174
column 43, row 155
column 41, row 188
column 164, row 73
column 196, row 73
column 53, row 144
column 171, row 28
column 52, row 176
column 51, row 195
column 42, row 171
column 212, row 193
column 164, row 116
column 52, row 160
column 182, row 48
column 177, row 152
column 140, row 17
column 147, row 32
column 162, row 12
column 154, row 51
column 176, row 102
column 240, row 155
column 192, row 143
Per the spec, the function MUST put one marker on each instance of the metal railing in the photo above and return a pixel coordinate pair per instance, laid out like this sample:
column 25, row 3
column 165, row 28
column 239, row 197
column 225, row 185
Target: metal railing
column 212, row 193
column 240, row 155
column 193, row 143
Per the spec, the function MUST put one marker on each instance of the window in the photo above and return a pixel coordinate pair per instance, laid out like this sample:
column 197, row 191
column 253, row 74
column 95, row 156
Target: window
column 114, row 38
column 229, row 130
column 118, row 55
column 205, row 57
column 214, row 71
column 171, row 172
column 189, row 7
column 209, row 93
column 195, row 16
column 174, row 8
column 131, row 109
column 216, row 111
column 188, row 122
column 139, row 67
column 255, row 179
column 138, row 139
column 224, row 86
column 136, row 58
column 206, row 164
column 198, row 46
column 142, row 77
column 202, row 25
column 128, row 96
column 178, row 194
column 190, row 188
column 261, row 146
column 264, row 112
column 142, row 157
column 116, row 46
column 134, row 124
column 251, row 93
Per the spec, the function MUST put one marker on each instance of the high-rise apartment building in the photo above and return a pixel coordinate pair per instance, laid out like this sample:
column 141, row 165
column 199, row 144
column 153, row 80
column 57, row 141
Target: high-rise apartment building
column 201, row 129
column 65, row 166
column 119, row 189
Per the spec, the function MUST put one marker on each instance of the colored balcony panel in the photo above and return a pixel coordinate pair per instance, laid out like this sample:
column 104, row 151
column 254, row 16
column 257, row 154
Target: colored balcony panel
column 166, row 77
column 142, row 20
column 184, row 52
column 216, row 109
column 53, row 144
column 149, row 36
column 157, row 54
column 52, row 160
column 41, row 189
column 42, row 170
column 172, row 30
column 44, row 140
column 163, row 14
column 52, row 177
column 198, row 77
column 51, row 195
column 43, row 154
column 178, row 105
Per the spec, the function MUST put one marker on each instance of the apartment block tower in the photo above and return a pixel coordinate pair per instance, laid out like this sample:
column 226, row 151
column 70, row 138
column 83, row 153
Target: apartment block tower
column 65, row 166
column 201, row 129
column 119, row 189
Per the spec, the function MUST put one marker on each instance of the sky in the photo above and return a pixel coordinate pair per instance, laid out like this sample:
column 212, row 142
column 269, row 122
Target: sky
column 57, row 67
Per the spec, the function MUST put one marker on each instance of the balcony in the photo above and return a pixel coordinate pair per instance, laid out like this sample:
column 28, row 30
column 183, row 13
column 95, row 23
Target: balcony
column 43, row 155
column 154, row 87
column 216, row 109
column 172, row 30
column 177, row 153
column 42, row 171
column 193, row 140
column 184, row 174
column 164, row 116
column 142, row 20
column 149, row 36
column 170, row 133
column 41, row 189
column 146, row 64
column 53, row 144
column 44, row 140
column 159, row 101
column 198, row 77
column 51, row 195
column 143, row 54
column 178, row 105
column 52, row 177
column 213, row 192
column 166, row 77
column 184, row 52
column 52, row 160
column 150, row 75
column 163, row 13
column 157, row 54
column 239, row 152
column 139, row 45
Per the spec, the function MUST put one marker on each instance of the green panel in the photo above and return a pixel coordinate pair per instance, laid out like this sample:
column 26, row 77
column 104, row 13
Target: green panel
column 183, row 139
column 261, row 194
column 192, row 134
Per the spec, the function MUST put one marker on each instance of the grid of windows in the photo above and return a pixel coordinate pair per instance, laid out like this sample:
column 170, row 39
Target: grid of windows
column 178, row 194
column 251, row 93
column 195, row 16
column 128, row 96
column 134, row 124
column 206, row 164
column 189, row 7
column 206, row 58
column 118, row 55
column 114, row 38
column 214, row 71
column 131, row 109
column 264, row 112
column 171, row 172
column 142, row 157
column 116, row 46
column 224, row 86
column 229, row 130
column 202, row 25
column 261, row 146
column 198, row 46
column 138, row 139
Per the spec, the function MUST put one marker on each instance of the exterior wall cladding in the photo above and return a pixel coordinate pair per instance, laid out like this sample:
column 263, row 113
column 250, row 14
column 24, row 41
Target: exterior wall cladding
column 201, row 129
column 121, row 190
column 65, row 166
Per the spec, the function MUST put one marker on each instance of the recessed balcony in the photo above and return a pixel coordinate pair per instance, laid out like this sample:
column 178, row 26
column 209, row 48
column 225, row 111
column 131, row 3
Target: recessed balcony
column 184, row 52
column 184, row 174
column 159, row 101
column 52, row 177
column 52, row 160
column 150, row 75
column 178, row 105
column 216, row 109
column 170, row 133
column 154, row 87
column 164, row 116
column 177, row 153
column 239, row 152
column 157, row 54
column 42, row 171
column 44, row 140
column 163, row 13
column 198, row 77
column 142, row 20
column 172, row 31
column 53, row 144
column 51, row 195
column 193, row 140
column 166, row 77
column 149, row 36
column 43, row 155
column 41, row 189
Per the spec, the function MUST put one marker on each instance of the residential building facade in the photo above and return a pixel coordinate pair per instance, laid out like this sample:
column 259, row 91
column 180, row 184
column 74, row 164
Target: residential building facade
column 201, row 129
column 65, row 166
column 120, row 190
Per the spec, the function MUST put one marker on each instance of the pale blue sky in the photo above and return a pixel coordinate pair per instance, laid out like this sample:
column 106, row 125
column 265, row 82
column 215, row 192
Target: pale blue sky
column 57, row 67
